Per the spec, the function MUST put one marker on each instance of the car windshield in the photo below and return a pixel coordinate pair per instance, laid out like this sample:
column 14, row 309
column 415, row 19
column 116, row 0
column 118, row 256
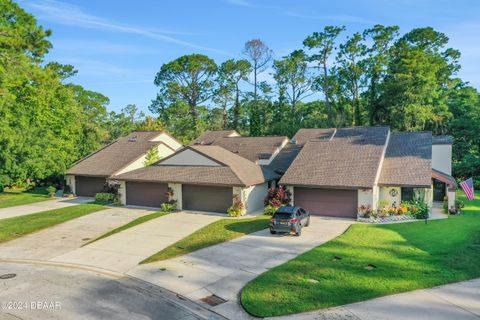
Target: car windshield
column 282, row 215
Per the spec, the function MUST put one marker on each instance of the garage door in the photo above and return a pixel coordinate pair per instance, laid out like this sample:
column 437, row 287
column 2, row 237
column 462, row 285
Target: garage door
column 146, row 194
column 206, row 198
column 88, row 186
column 327, row 202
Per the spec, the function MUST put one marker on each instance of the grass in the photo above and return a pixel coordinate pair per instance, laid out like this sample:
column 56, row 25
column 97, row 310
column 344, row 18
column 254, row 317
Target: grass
column 405, row 257
column 133, row 223
column 16, row 197
column 216, row 232
column 16, row 227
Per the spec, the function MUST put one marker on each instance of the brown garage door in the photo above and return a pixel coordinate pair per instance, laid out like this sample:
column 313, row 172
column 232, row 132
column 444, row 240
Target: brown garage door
column 146, row 194
column 206, row 198
column 327, row 202
column 88, row 186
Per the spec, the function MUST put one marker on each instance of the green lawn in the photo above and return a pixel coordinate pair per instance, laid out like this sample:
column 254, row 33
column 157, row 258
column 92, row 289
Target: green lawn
column 133, row 223
column 16, row 227
column 216, row 232
column 16, row 197
column 406, row 257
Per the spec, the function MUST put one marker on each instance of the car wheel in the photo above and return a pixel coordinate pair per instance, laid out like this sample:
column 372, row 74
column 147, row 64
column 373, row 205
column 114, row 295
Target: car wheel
column 298, row 233
column 308, row 222
column 272, row 231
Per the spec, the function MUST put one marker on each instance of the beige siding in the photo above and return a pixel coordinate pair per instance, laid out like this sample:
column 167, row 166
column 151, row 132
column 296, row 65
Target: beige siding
column 365, row 197
column 189, row 157
column 385, row 195
column 169, row 141
column 254, row 196
column 70, row 181
column 177, row 194
column 442, row 157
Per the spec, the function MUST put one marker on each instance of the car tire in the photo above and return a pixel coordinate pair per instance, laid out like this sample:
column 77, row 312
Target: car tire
column 273, row 232
column 308, row 222
column 298, row 233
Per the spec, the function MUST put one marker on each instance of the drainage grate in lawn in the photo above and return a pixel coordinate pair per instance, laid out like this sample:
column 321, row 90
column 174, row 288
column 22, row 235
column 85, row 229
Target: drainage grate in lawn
column 213, row 300
column 371, row 267
column 7, row 276
column 336, row 258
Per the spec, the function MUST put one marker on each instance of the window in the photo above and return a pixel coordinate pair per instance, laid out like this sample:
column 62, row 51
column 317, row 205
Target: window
column 407, row 194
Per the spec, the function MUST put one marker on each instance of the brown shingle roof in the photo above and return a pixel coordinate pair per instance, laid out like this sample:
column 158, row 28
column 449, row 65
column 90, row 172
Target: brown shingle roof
column 284, row 158
column 209, row 137
column 251, row 148
column 304, row 135
column 408, row 160
column 116, row 156
column 350, row 160
column 233, row 170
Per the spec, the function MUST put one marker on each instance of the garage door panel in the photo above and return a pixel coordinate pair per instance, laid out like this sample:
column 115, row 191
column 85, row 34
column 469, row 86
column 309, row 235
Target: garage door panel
column 146, row 194
column 206, row 198
column 328, row 202
column 88, row 186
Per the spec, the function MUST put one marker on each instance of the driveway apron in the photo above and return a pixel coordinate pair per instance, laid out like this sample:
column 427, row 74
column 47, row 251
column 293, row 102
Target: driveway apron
column 124, row 250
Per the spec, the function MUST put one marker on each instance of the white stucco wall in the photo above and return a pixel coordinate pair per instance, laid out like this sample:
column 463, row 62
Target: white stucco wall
column 292, row 192
column 442, row 157
column 122, row 191
column 70, row 181
column 177, row 194
column 189, row 157
column 385, row 195
column 365, row 197
column 254, row 196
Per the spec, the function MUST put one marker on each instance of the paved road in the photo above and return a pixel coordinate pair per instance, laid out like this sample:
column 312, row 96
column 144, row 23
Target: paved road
column 224, row 269
column 124, row 250
column 459, row 301
column 79, row 294
column 65, row 237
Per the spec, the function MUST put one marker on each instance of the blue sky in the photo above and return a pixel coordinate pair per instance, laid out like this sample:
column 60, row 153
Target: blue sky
column 118, row 46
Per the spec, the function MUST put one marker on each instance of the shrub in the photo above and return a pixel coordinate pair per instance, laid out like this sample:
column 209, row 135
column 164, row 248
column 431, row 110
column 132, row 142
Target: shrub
column 418, row 208
column 111, row 187
column 105, row 197
column 51, row 190
column 365, row 211
column 270, row 210
column 169, row 206
column 1, row 187
column 237, row 209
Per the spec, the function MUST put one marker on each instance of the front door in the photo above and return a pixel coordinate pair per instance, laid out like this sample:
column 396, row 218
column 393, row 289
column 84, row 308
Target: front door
column 438, row 190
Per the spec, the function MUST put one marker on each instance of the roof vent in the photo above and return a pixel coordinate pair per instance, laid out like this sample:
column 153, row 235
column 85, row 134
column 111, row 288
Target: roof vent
column 293, row 141
column 132, row 139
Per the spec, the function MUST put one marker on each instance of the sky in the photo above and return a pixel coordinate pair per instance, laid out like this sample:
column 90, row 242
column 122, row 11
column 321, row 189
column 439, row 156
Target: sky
column 119, row 46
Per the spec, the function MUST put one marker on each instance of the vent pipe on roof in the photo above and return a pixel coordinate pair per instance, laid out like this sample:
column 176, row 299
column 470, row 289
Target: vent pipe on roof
column 293, row 141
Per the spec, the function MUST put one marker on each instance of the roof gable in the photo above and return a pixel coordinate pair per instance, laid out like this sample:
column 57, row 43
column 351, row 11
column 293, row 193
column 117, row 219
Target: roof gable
column 350, row 159
column 116, row 155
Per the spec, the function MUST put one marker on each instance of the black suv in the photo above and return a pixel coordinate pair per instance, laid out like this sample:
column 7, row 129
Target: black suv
column 289, row 219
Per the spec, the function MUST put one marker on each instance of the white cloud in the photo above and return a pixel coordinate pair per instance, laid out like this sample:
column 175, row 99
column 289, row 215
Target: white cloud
column 241, row 3
column 336, row 17
column 68, row 14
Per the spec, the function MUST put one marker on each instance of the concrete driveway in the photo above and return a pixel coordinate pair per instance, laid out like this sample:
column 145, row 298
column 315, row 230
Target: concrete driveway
column 41, row 206
column 124, row 250
column 459, row 301
column 60, row 239
column 224, row 269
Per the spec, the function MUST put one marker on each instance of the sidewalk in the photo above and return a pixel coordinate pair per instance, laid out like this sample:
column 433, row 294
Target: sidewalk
column 459, row 301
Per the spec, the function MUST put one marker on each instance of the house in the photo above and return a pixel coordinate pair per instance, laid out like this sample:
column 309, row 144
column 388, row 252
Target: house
column 88, row 176
column 338, row 170
column 201, row 177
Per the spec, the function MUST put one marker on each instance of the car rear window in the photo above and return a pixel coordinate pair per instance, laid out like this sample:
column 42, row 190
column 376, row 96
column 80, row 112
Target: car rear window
column 282, row 215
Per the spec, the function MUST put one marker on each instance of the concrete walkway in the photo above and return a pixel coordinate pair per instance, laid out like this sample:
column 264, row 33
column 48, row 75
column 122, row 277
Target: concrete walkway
column 124, row 250
column 41, row 206
column 65, row 237
column 224, row 269
column 459, row 301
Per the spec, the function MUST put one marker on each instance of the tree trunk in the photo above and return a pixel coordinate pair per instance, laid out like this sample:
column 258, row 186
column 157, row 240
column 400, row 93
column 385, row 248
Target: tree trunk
column 326, row 91
column 236, row 109
column 225, row 118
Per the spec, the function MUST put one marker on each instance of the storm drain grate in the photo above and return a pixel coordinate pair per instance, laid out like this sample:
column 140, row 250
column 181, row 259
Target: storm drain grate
column 7, row 276
column 213, row 300
column 371, row 267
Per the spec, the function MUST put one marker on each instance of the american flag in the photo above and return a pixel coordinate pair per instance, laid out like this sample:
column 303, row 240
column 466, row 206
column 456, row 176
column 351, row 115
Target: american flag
column 467, row 187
